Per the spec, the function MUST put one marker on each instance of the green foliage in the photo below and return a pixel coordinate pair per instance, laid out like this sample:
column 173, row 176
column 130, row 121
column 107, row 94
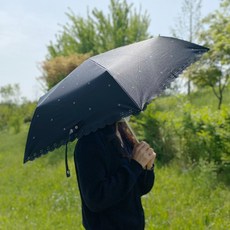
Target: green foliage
column 10, row 94
column 215, row 71
column 204, row 96
column 157, row 131
column 217, row 35
column 14, row 110
column 205, row 134
column 15, row 122
column 5, row 112
column 38, row 195
column 9, row 117
column 201, row 80
column 99, row 32
column 188, row 133
column 12, row 116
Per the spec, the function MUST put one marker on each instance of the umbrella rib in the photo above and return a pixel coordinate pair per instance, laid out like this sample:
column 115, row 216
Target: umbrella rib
column 117, row 83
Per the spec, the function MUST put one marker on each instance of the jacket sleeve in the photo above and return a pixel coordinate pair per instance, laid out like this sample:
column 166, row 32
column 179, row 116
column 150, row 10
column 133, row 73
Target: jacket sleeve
column 146, row 181
column 98, row 189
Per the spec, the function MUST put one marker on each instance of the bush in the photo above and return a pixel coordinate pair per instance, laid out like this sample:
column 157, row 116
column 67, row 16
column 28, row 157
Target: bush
column 5, row 113
column 12, row 115
column 188, row 134
column 205, row 134
column 15, row 122
column 156, row 128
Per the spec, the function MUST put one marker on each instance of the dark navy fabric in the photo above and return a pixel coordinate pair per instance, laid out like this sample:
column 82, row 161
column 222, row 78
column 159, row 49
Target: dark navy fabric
column 110, row 185
column 144, row 69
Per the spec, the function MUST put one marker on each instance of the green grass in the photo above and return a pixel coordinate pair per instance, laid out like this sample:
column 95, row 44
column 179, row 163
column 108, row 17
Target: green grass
column 187, row 200
column 38, row 195
column 200, row 98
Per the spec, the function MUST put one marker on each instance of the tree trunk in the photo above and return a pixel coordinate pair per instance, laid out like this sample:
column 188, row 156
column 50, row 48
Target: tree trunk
column 189, row 86
column 220, row 101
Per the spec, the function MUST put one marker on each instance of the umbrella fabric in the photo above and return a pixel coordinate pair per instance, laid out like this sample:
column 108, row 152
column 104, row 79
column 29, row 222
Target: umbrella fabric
column 106, row 88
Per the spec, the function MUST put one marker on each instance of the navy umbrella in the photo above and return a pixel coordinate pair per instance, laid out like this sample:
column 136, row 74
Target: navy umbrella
column 106, row 88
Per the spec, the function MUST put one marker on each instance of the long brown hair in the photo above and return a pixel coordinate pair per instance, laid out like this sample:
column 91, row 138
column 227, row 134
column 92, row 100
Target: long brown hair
column 127, row 138
column 119, row 135
column 126, row 133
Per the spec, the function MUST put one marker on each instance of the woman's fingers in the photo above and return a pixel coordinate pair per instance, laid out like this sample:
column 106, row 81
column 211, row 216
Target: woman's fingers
column 144, row 154
column 151, row 162
column 142, row 146
column 151, row 152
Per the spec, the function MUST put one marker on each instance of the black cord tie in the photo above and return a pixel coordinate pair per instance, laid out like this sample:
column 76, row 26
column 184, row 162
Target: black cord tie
column 66, row 161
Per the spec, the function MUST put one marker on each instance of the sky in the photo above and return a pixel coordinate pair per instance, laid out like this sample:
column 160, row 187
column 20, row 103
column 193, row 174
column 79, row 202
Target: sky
column 27, row 27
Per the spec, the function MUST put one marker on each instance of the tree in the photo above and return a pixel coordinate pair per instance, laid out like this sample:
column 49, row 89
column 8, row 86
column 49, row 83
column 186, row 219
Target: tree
column 216, row 68
column 81, row 38
column 188, row 26
column 55, row 69
column 9, row 107
column 99, row 32
column 10, row 94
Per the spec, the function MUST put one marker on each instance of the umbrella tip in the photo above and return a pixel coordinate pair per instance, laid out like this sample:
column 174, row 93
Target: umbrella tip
column 67, row 173
column 25, row 160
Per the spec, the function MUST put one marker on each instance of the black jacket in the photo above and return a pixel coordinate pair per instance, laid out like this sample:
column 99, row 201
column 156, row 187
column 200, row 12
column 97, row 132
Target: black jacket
column 110, row 185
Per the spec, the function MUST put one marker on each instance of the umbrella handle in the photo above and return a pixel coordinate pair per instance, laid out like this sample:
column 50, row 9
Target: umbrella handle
column 131, row 130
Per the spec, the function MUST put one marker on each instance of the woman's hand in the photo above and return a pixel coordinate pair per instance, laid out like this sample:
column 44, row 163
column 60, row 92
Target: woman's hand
column 144, row 155
column 150, row 164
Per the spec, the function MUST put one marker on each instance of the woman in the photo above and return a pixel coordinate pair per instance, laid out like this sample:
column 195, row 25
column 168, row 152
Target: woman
column 113, row 172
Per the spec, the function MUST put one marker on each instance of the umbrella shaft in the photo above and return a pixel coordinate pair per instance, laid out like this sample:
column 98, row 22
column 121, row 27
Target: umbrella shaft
column 132, row 132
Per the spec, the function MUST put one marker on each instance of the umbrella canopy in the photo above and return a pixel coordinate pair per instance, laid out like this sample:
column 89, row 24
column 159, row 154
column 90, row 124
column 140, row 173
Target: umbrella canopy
column 106, row 88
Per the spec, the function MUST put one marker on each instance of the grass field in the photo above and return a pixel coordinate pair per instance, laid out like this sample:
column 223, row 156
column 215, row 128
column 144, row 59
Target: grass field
column 38, row 195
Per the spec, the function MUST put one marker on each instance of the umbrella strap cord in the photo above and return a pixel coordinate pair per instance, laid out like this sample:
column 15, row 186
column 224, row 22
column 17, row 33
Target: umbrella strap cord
column 66, row 161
